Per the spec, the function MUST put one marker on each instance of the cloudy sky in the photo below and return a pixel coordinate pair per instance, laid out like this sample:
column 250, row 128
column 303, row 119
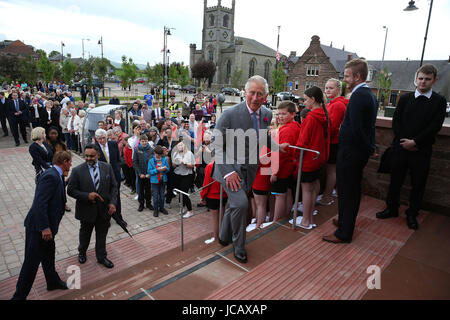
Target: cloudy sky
column 135, row 27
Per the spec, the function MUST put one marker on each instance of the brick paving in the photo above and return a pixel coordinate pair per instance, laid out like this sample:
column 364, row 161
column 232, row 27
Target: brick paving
column 16, row 195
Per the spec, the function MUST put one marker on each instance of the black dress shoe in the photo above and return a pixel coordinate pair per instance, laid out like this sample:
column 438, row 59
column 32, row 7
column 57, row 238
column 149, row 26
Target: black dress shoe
column 241, row 260
column 155, row 213
column 106, row 263
column 82, row 258
column 223, row 243
column 412, row 223
column 163, row 211
column 149, row 206
column 17, row 144
column 58, row 285
column 141, row 208
column 387, row 213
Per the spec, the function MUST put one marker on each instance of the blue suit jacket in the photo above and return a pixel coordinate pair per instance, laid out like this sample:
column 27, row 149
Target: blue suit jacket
column 48, row 205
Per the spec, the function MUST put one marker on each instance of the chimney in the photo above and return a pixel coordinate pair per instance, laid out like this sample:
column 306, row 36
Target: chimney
column 349, row 57
column 293, row 54
column 331, row 44
column 343, row 48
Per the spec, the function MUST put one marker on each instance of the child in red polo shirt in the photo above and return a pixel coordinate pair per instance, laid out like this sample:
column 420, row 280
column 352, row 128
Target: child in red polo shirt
column 281, row 179
column 211, row 197
column 314, row 135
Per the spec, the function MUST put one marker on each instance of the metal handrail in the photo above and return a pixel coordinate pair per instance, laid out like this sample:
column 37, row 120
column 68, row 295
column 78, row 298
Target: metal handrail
column 180, row 201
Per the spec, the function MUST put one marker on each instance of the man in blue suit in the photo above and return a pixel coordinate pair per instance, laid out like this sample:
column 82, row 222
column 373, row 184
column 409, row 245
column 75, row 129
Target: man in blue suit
column 41, row 226
column 356, row 145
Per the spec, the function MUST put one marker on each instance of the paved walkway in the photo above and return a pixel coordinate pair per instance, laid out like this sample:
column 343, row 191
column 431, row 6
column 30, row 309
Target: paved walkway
column 16, row 196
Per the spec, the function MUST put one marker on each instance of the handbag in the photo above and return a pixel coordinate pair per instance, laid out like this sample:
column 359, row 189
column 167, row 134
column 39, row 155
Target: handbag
column 386, row 161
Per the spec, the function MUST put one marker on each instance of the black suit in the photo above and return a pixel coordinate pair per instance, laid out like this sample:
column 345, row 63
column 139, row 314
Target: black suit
column 42, row 159
column 44, row 118
column 4, row 115
column 114, row 161
column 157, row 112
column 93, row 215
column 46, row 212
column 356, row 144
column 18, row 121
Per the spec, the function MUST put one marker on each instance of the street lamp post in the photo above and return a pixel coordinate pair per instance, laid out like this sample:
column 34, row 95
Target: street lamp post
column 382, row 60
column 165, row 52
column 82, row 46
column 168, row 79
column 62, row 52
column 412, row 7
column 100, row 42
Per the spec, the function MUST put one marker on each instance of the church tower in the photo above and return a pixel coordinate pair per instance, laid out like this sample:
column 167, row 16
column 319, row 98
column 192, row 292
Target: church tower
column 218, row 32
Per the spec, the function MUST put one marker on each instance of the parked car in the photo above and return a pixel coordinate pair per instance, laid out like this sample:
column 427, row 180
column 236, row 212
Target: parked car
column 95, row 82
column 282, row 96
column 231, row 91
column 174, row 86
column 189, row 89
column 447, row 111
column 139, row 80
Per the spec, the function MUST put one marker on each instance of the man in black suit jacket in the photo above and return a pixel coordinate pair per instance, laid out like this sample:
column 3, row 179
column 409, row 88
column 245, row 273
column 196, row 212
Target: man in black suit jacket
column 94, row 187
column 4, row 102
column 41, row 225
column 157, row 113
column 356, row 145
column 109, row 153
column 417, row 120
column 48, row 116
column 18, row 115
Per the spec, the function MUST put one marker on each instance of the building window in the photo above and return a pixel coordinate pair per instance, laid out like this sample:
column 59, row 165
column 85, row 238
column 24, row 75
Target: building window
column 211, row 20
column 211, row 55
column 228, row 70
column 251, row 68
column 266, row 70
column 296, row 85
column 312, row 70
column 226, row 18
column 309, row 84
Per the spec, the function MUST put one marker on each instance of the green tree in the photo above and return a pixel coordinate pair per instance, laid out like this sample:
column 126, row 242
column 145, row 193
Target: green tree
column 52, row 54
column 279, row 78
column 9, row 68
column 203, row 71
column 129, row 72
column 236, row 78
column 88, row 71
column 28, row 69
column 68, row 69
column 184, row 78
column 46, row 67
column 101, row 67
column 384, row 82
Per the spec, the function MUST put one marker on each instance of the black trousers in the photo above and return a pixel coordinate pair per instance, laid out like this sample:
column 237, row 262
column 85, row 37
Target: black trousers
column 3, row 122
column 36, row 251
column 169, row 186
column 145, row 191
column 418, row 164
column 349, row 171
column 184, row 183
column 15, row 123
column 130, row 176
column 101, row 226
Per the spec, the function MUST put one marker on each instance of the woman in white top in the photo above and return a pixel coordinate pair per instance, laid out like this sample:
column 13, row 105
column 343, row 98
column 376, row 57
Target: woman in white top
column 73, row 128
column 183, row 161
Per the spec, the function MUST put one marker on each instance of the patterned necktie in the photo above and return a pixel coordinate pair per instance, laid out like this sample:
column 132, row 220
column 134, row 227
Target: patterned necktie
column 96, row 177
column 105, row 154
column 255, row 124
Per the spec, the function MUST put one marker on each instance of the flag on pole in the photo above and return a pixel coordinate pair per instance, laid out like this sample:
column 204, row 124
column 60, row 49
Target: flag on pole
column 278, row 56
column 163, row 49
column 62, row 43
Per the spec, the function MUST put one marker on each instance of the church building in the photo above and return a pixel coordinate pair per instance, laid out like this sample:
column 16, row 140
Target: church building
column 229, row 52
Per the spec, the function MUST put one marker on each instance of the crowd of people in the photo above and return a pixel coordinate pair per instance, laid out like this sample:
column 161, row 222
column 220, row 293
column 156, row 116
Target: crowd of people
column 177, row 146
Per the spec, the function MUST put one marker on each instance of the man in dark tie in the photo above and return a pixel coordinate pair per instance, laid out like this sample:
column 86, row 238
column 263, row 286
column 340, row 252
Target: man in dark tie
column 157, row 113
column 356, row 145
column 41, row 227
column 17, row 118
column 4, row 103
column 94, row 187
column 109, row 153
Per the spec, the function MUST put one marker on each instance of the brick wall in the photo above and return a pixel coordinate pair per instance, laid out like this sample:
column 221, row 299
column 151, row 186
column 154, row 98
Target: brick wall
column 437, row 193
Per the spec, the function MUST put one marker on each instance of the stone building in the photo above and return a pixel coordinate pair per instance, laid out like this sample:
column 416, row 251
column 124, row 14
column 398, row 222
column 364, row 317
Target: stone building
column 317, row 64
column 229, row 52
